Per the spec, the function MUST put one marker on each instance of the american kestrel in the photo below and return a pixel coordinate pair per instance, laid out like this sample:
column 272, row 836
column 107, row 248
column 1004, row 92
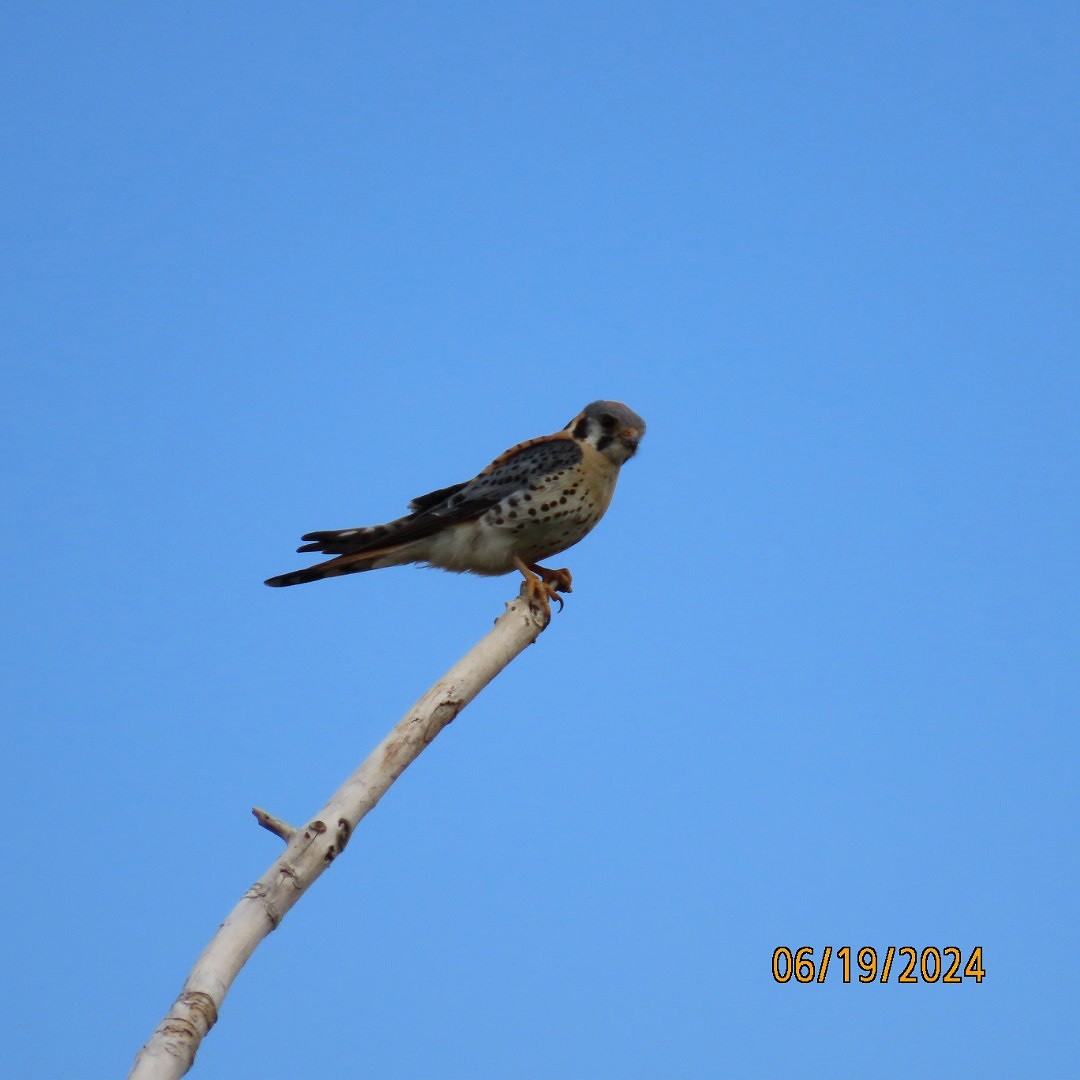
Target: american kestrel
column 537, row 499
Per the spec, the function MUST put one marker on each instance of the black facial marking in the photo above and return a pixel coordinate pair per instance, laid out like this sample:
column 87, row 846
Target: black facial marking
column 581, row 428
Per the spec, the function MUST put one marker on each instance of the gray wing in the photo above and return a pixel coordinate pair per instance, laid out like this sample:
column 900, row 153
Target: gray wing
column 510, row 472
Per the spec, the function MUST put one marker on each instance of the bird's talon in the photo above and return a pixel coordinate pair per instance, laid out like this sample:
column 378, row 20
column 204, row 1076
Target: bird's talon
column 554, row 580
column 551, row 592
column 541, row 586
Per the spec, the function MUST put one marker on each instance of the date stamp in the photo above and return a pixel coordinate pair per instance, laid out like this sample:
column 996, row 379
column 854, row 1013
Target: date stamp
column 904, row 965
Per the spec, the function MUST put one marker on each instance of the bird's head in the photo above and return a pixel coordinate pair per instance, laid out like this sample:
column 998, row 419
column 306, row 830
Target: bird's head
column 611, row 427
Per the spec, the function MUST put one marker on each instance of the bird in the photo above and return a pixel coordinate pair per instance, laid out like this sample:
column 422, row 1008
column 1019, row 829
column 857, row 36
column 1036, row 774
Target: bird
column 533, row 501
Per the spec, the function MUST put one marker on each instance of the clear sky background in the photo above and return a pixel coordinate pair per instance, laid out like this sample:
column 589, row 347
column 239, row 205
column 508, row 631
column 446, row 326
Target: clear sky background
column 271, row 268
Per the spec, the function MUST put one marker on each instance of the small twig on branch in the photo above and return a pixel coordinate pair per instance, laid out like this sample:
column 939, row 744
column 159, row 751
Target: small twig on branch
column 275, row 825
column 309, row 851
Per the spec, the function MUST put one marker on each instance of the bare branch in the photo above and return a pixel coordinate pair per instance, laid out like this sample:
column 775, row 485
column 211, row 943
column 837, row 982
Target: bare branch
column 309, row 851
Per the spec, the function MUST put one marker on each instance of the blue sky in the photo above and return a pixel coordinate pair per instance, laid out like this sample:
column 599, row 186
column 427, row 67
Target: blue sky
column 270, row 270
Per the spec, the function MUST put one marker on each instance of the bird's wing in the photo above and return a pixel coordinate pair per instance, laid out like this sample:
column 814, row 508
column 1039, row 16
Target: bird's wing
column 510, row 472
column 433, row 498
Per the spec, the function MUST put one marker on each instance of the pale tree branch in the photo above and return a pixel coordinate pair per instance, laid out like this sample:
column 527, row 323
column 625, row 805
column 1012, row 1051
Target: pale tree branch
column 311, row 849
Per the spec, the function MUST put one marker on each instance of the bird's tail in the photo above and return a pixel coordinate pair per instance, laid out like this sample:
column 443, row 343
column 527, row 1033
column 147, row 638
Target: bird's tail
column 345, row 564
column 350, row 541
column 357, row 550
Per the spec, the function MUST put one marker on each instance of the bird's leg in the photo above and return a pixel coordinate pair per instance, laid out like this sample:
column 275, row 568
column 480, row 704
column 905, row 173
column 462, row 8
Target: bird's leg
column 556, row 581
column 539, row 588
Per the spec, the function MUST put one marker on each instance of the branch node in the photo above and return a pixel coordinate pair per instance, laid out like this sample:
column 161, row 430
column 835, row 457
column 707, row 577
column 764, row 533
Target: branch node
column 344, row 832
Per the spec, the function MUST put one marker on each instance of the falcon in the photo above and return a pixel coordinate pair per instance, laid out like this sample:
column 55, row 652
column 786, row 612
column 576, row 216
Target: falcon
column 535, row 500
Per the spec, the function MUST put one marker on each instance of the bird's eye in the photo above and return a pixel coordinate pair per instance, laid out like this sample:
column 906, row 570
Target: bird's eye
column 607, row 421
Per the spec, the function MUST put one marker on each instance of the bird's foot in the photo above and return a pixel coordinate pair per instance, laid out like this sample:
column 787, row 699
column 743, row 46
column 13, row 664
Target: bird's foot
column 543, row 585
column 556, row 581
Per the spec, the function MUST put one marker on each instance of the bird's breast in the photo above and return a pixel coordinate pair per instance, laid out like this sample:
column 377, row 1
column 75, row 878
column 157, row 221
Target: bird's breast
column 553, row 512
column 543, row 517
